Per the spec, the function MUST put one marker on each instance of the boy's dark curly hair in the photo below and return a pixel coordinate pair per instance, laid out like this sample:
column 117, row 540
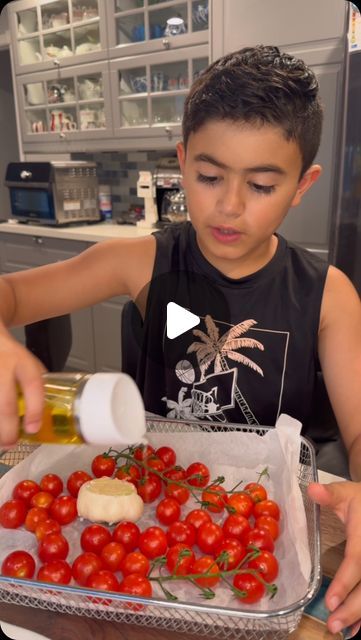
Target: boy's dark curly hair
column 259, row 85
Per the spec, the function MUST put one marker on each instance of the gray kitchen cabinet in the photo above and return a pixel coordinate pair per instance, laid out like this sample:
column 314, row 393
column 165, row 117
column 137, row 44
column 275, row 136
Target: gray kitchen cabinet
column 107, row 333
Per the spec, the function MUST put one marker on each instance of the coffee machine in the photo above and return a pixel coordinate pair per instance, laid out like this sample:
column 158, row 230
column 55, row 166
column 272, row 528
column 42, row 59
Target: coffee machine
column 158, row 190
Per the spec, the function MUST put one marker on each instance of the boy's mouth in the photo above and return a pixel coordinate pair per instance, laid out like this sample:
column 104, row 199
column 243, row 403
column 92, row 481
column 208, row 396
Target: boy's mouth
column 225, row 234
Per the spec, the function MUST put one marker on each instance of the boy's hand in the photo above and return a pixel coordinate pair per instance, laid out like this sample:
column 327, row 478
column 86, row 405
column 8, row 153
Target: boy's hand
column 18, row 366
column 343, row 597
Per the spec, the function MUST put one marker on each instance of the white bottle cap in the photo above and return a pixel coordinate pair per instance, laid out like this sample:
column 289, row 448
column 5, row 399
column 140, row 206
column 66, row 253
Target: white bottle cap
column 111, row 410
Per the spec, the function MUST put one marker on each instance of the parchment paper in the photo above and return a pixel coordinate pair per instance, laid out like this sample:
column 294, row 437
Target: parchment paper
column 237, row 456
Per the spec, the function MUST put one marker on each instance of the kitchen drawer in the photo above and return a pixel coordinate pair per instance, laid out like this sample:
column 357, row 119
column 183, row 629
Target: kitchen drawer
column 25, row 251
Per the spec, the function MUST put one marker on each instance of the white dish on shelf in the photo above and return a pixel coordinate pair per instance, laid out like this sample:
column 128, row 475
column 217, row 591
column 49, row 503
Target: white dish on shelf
column 19, row 633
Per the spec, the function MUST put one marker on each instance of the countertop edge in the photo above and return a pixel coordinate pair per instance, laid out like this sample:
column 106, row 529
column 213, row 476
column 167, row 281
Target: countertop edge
column 86, row 233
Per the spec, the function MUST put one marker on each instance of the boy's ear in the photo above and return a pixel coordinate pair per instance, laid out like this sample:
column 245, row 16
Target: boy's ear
column 181, row 153
column 309, row 177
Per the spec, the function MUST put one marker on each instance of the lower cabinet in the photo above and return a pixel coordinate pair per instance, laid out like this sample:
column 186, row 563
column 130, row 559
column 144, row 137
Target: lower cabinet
column 96, row 331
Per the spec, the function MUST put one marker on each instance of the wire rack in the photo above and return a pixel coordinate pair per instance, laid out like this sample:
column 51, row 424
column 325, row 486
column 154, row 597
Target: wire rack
column 200, row 619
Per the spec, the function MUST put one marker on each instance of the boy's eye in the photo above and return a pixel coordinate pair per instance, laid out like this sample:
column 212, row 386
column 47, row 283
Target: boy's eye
column 211, row 180
column 262, row 188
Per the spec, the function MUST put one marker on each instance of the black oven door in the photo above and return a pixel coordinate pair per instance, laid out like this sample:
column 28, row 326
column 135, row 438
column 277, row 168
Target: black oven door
column 32, row 205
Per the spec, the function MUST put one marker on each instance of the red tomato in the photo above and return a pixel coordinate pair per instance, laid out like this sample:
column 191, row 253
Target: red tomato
column 206, row 564
column 267, row 508
column 75, row 481
column 168, row 510
column 51, row 483
column 196, row 517
column 25, row 489
column 209, row 537
column 34, row 516
column 129, row 472
column 46, row 526
column 13, row 513
column 181, row 494
column 181, row 532
column 103, row 466
column 153, row 542
column 240, row 502
column 197, row 474
column 214, row 498
column 167, row 454
column 180, row 559
column 149, row 487
column 18, row 564
column 270, row 524
column 251, row 589
column 102, row 580
column 136, row 585
column 266, row 564
column 53, row 547
column 128, row 534
column 112, row 555
column 143, row 452
column 94, row 537
column 155, row 463
column 259, row 538
column 57, row 571
column 84, row 565
column 235, row 553
column 236, row 526
column 63, row 509
column 256, row 491
column 175, row 473
column 135, row 562
column 42, row 499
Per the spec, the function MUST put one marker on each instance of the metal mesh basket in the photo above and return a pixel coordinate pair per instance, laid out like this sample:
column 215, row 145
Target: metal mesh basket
column 201, row 619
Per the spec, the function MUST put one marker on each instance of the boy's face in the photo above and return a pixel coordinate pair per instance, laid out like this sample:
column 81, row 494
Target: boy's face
column 240, row 181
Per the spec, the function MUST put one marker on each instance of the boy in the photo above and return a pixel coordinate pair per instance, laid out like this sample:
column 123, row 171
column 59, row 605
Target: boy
column 251, row 129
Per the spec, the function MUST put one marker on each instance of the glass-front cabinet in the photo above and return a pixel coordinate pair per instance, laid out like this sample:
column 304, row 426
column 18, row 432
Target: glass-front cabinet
column 136, row 25
column 149, row 91
column 57, row 32
column 66, row 103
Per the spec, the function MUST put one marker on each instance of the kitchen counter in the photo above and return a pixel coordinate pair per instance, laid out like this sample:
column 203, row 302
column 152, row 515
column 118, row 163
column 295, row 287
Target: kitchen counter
column 85, row 232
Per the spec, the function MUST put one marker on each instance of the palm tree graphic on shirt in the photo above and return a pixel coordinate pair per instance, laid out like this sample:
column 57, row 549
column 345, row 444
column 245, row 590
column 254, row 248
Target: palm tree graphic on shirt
column 213, row 348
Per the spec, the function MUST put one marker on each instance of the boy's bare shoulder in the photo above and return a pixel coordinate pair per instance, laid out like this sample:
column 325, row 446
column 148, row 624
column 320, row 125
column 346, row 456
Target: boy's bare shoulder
column 340, row 299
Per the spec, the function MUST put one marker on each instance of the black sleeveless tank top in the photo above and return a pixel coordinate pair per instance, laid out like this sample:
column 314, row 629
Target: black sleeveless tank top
column 254, row 353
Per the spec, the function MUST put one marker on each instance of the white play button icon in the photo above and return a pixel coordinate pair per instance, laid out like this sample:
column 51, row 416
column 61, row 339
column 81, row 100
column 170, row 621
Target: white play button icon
column 179, row 320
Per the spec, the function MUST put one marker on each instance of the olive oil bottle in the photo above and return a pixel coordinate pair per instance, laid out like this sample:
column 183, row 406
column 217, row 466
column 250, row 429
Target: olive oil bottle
column 101, row 408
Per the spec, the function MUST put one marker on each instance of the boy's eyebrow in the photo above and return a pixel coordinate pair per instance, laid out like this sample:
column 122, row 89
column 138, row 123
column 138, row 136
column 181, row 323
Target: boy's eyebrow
column 263, row 168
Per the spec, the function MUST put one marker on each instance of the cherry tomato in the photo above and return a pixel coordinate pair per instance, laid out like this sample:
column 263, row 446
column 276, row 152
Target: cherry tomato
column 167, row 454
column 112, row 555
column 53, row 547
column 181, row 532
column 46, row 526
column 42, row 499
column 128, row 534
column 34, row 516
column 235, row 553
column 259, row 538
column 266, row 564
column 149, row 487
column 52, row 483
column 214, row 498
column 236, row 526
column 84, row 565
column 197, row 474
column 94, row 537
column 135, row 562
column 175, row 473
column 18, row 564
column 267, row 508
column 63, row 509
column 103, row 466
column 250, row 587
column 136, row 585
column 181, row 494
column 13, row 513
column 256, row 491
column 240, row 503
column 196, row 517
column 180, row 559
column 143, row 452
column 268, row 523
column 102, row 580
column 25, row 489
column 129, row 472
column 153, row 542
column 206, row 564
column 57, row 571
column 209, row 537
column 155, row 463
column 76, row 480
column 168, row 510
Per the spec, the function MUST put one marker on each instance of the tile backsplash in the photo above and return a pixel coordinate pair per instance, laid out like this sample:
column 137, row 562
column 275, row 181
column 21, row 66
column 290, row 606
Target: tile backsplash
column 120, row 171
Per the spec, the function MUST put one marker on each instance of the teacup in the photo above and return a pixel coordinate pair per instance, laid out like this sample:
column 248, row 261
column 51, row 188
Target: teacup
column 59, row 19
column 88, row 119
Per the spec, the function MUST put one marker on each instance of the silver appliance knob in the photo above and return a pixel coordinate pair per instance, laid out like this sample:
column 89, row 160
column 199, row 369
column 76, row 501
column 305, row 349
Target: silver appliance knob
column 26, row 175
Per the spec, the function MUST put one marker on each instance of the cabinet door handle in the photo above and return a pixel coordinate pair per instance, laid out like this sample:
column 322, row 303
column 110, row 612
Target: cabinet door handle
column 56, row 62
column 169, row 132
column 38, row 240
column 166, row 43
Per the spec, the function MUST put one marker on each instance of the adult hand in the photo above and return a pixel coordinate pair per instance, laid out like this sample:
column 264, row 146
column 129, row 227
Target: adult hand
column 343, row 597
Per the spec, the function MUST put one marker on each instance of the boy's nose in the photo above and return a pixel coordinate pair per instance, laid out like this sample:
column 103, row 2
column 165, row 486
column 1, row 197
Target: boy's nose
column 232, row 204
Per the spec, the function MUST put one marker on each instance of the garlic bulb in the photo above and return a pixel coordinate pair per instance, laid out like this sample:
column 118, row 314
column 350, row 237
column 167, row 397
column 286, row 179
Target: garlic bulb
column 109, row 500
